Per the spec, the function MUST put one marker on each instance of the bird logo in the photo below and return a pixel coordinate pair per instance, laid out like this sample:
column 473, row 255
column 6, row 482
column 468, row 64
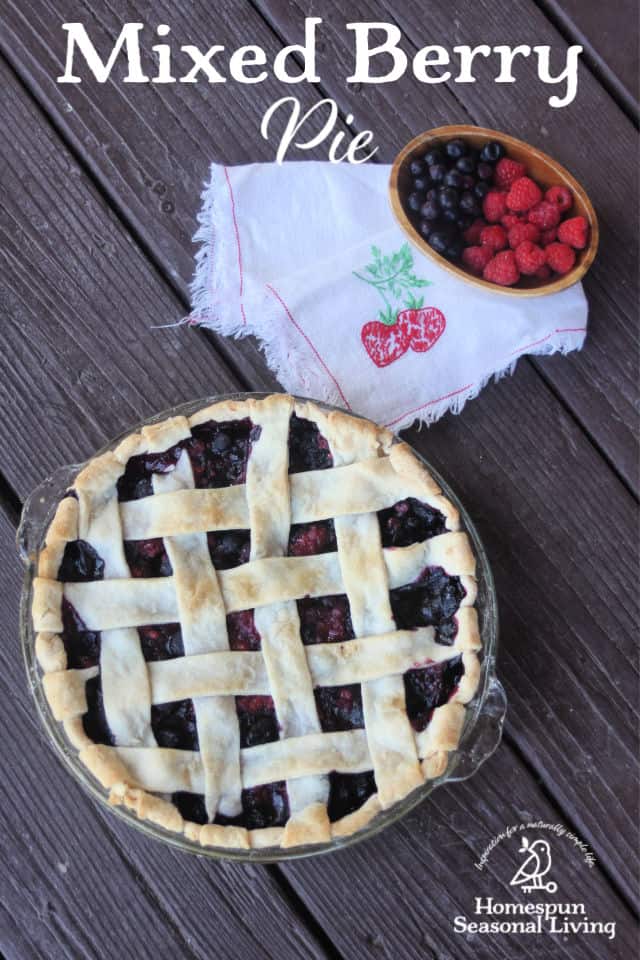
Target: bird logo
column 535, row 866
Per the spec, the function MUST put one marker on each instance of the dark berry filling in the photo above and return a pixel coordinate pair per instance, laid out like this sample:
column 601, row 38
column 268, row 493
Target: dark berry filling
column 308, row 449
column 339, row 708
column 409, row 521
column 429, row 687
column 308, row 539
column 241, row 630
column 147, row 558
column 229, row 548
column 348, row 791
column 325, row 619
column 191, row 806
column 94, row 720
column 431, row 600
column 136, row 481
column 174, row 725
column 258, row 721
column 263, row 806
column 80, row 563
column 82, row 646
column 219, row 452
column 162, row 642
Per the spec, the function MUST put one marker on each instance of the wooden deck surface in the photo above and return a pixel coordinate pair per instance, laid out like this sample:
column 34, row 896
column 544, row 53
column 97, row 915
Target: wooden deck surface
column 99, row 190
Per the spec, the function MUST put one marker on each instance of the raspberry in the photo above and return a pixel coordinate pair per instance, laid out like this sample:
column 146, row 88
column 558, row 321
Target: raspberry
column 545, row 215
column 544, row 272
column 529, row 258
column 560, row 257
column 472, row 233
column 510, row 219
column 575, row 232
column 548, row 236
column 476, row 258
column 561, row 197
column 523, row 195
column 502, row 269
column 494, row 237
column 507, row 171
column 494, row 206
column 521, row 232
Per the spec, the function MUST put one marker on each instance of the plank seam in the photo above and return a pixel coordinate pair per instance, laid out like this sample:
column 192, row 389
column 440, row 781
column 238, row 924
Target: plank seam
column 592, row 60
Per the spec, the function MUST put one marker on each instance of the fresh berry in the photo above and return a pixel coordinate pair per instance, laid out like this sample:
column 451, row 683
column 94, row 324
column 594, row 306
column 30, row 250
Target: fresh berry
column 529, row 258
column 545, row 215
column 472, row 234
column 449, row 198
column 437, row 172
column 494, row 206
column 455, row 149
column 575, row 232
column 417, row 167
column 507, row 172
column 468, row 204
column 523, row 195
column 433, row 156
column 510, row 219
column 521, row 232
column 492, row 152
column 560, row 257
column 415, row 201
column 561, row 196
column 548, row 236
column 430, row 210
column 544, row 272
column 494, row 237
column 476, row 258
column 485, row 171
column 453, row 179
column 481, row 189
column 466, row 165
column 502, row 269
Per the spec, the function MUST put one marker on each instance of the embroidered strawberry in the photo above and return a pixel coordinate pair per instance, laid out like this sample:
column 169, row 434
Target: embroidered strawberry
column 384, row 342
column 575, row 232
column 423, row 326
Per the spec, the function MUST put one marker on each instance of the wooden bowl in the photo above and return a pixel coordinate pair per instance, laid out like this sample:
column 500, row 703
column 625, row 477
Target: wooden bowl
column 540, row 167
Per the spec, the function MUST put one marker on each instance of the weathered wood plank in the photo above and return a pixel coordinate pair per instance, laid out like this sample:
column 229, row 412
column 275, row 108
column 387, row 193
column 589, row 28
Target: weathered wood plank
column 609, row 40
column 426, row 864
column 599, row 384
column 153, row 172
column 77, row 880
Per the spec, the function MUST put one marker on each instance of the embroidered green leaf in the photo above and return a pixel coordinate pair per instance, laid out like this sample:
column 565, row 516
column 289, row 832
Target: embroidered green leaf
column 392, row 275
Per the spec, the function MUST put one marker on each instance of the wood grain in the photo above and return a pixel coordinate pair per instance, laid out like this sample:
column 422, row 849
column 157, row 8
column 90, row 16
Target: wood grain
column 598, row 384
column 153, row 173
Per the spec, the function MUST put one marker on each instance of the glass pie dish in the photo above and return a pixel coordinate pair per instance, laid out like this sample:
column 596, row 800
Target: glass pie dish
column 483, row 717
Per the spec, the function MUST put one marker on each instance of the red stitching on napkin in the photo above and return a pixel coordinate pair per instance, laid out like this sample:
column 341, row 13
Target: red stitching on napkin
column 237, row 233
column 462, row 389
column 304, row 335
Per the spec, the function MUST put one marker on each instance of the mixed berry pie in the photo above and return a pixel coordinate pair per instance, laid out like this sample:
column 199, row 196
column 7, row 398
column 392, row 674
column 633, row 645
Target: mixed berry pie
column 257, row 623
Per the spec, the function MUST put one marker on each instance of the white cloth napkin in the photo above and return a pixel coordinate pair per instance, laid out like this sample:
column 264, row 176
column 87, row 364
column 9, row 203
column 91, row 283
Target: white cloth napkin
column 308, row 257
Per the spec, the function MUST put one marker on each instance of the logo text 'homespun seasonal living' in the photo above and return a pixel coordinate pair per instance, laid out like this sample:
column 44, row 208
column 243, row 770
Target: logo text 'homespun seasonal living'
column 535, row 846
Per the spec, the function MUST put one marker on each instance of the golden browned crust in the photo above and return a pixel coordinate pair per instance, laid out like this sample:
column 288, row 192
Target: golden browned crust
column 65, row 689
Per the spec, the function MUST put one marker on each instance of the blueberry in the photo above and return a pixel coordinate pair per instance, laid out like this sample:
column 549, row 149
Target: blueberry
column 466, row 164
column 468, row 204
column 417, row 167
column 425, row 228
column 464, row 222
column 415, row 201
column 450, row 215
column 453, row 179
column 430, row 210
column 456, row 149
column 454, row 250
column 481, row 189
column 439, row 240
column 449, row 198
column 492, row 152
column 437, row 172
column 434, row 156
column 468, row 182
column 431, row 194
column 421, row 184
column 485, row 171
